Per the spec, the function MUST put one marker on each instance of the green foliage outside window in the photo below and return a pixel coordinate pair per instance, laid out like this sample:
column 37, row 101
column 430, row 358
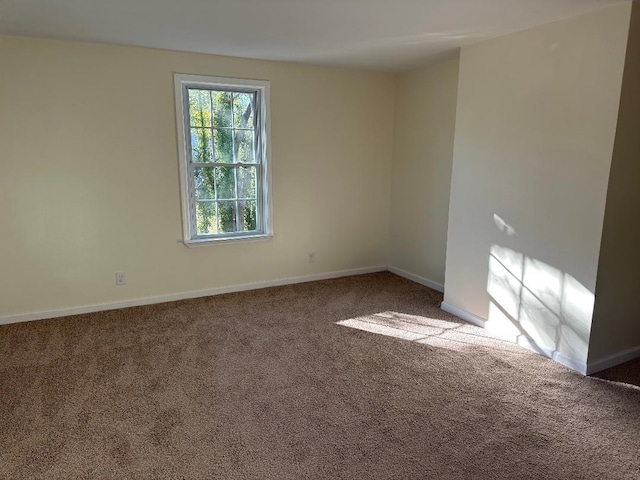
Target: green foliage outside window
column 222, row 131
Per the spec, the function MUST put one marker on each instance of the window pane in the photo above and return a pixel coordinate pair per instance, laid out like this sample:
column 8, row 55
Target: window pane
column 227, row 212
column 199, row 108
column 248, row 210
column 246, row 182
column 204, row 179
column 223, row 145
column 201, row 145
column 245, row 152
column 226, row 182
column 206, row 218
column 243, row 107
column 221, row 109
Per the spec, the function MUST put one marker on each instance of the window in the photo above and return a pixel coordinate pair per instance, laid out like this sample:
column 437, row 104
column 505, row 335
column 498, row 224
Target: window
column 223, row 140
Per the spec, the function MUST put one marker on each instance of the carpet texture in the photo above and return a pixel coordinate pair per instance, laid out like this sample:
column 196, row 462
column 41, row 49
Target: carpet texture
column 285, row 383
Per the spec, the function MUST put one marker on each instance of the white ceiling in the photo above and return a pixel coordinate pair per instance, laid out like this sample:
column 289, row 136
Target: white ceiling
column 375, row 34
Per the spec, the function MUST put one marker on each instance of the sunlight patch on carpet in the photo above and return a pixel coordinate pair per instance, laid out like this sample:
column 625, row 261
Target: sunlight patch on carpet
column 425, row 330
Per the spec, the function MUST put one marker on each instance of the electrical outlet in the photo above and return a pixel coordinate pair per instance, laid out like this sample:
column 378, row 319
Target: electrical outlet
column 121, row 278
column 312, row 257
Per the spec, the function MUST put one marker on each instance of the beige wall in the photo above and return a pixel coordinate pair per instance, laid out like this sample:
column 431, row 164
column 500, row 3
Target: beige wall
column 616, row 320
column 422, row 157
column 89, row 174
column 535, row 124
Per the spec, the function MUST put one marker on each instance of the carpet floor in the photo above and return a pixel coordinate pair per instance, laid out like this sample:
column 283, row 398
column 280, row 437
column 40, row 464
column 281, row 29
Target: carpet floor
column 354, row 378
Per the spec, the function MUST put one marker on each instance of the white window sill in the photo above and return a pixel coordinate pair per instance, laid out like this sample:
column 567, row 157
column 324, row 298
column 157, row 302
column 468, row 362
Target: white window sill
column 204, row 242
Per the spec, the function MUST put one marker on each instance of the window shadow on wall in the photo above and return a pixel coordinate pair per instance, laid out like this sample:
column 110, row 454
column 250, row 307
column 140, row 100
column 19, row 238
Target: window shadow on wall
column 535, row 304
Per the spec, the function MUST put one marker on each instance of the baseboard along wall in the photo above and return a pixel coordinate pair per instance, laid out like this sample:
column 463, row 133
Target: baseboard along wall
column 469, row 317
column 463, row 314
column 613, row 360
column 580, row 367
column 416, row 278
column 583, row 368
column 172, row 297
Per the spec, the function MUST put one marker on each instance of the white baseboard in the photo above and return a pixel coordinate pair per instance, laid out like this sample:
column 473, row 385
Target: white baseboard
column 562, row 359
column 135, row 302
column 172, row 297
column 463, row 314
column 613, row 360
column 584, row 369
column 572, row 363
column 416, row 278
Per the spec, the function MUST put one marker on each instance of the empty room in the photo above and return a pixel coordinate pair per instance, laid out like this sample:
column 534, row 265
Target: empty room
column 356, row 239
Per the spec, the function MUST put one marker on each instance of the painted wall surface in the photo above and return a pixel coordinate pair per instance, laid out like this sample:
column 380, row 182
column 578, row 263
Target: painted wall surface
column 535, row 125
column 89, row 174
column 616, row 320
column 422, row 158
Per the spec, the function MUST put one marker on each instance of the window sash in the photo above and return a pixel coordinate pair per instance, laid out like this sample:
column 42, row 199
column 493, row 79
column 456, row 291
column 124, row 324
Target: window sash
column 193, row 200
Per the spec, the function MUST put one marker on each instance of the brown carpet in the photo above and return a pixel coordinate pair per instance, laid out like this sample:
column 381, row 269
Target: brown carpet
column 267, row 385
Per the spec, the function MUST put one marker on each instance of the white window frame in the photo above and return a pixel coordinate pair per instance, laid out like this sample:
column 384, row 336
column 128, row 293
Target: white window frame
column 264, row 229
